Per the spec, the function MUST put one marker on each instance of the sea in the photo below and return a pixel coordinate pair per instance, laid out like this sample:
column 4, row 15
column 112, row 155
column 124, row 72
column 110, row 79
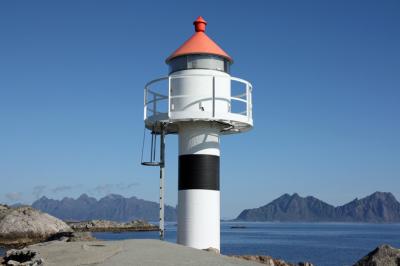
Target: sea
column 326, row 244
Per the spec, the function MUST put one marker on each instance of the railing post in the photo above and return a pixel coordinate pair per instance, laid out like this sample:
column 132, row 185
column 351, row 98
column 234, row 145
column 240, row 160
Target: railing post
column 145, row 103
column 169, row 97
column 251, row 101
column 154, row 104
column 247, row 102
column 230, row 98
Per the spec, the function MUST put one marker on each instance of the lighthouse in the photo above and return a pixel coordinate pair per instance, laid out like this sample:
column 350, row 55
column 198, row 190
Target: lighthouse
column 199, row 101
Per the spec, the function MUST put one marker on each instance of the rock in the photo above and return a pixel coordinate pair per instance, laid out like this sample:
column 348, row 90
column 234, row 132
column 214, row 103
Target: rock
column 81, row 236
column 25, row 225
column 72, row 237
column 111, row 226
column 210, row 249
column 383, row 255
column 4, row 209
column 267, row 260
column 238, row 227
column 23, row 257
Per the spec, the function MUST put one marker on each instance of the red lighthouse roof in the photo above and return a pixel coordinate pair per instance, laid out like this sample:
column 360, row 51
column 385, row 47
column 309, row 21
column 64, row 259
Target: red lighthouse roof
column 199, row 43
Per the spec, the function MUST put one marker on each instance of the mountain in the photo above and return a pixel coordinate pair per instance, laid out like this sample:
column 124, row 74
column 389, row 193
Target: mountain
column 112, row 207
column 379, row 207
column 290, row 208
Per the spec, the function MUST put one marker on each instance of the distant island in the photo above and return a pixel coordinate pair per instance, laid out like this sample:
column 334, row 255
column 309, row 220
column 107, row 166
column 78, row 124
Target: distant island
column 379, row 207
column 112, row 207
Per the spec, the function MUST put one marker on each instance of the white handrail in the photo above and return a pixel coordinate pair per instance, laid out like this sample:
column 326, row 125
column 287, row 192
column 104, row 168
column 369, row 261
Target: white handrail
column 157, row 97
column 158, row 94
column 155, row 80
column 239, row 99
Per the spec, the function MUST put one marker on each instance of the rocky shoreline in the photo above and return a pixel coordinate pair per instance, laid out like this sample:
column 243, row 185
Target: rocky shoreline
column 269, row 261
column 111, row 226
column 121, row 251
column 25, row 225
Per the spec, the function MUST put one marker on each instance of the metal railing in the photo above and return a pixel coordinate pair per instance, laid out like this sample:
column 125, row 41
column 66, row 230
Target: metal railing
column 151, row 104
column 156, row 108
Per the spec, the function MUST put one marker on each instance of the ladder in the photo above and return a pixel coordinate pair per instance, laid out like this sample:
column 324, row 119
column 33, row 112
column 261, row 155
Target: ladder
column 161, row 164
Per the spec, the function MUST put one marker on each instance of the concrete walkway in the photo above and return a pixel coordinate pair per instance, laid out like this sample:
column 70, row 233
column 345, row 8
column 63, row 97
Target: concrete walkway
column 141, row 252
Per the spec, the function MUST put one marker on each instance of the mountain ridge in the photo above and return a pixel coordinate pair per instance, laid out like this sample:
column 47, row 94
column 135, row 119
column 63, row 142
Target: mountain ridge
column 111, row 207
column 379, row 207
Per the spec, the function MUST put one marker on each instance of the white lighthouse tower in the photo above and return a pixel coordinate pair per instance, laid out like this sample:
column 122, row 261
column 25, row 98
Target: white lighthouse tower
column 199, row 103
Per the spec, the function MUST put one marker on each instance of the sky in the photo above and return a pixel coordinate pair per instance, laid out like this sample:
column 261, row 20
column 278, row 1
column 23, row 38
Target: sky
column 326, row 78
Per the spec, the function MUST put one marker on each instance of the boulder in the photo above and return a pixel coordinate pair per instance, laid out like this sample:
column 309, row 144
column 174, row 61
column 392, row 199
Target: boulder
column 269, row 261
column 383, row 255
column 23, row 257
column 25, row 225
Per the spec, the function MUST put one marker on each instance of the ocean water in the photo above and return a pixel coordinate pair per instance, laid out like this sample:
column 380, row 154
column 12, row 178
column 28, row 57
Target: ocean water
column 326, row 244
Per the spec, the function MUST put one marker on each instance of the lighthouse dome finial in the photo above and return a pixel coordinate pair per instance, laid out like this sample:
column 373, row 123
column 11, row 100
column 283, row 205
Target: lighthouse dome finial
column 200, row 24
column 199, row 43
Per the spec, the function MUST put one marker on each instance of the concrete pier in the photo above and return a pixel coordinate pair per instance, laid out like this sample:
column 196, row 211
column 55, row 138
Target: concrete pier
column 143, row 252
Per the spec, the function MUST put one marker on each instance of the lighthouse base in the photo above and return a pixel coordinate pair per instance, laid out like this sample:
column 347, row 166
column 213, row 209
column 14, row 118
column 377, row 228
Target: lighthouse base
column 198, row 185
column 199, row 218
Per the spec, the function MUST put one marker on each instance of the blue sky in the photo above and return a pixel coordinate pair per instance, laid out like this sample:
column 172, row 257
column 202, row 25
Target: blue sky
column 326, row 77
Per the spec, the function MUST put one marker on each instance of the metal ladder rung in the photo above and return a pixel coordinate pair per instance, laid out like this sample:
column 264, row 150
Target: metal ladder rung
column 151, row 163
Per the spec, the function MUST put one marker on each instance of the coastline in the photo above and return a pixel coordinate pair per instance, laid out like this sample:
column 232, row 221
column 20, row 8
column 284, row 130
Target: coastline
column 291, row 242
column 155, row 252
column 97, row 226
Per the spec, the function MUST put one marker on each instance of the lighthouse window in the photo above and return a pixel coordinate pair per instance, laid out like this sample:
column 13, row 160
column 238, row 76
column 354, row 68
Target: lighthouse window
column 178, row 63
column 199, row 62
column 205, row 62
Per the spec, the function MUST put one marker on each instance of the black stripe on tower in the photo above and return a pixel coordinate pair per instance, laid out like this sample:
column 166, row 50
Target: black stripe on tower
column 198, row 171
